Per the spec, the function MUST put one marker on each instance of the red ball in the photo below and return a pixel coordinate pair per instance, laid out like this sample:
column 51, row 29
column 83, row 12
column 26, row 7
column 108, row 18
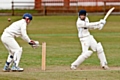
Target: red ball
column 9, row 19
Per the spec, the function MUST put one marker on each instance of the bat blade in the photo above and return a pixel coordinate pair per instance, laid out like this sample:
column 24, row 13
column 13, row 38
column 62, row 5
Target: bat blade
column 108, row 13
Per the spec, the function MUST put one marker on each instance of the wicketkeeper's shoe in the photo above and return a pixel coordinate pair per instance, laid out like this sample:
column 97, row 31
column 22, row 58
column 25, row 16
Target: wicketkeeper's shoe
column 6, row 69
column 73, row 67
column 18, row 69
column 105, row 67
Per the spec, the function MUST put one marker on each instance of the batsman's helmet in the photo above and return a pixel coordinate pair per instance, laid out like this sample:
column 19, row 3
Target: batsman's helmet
column 27, row 15
column 82, row 12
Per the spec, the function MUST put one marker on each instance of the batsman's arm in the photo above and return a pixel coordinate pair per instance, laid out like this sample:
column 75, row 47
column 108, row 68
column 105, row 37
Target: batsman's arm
column 91, row 25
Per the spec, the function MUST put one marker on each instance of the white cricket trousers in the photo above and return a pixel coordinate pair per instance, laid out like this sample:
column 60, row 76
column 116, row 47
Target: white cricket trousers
column 12, row 46
column 90, row 42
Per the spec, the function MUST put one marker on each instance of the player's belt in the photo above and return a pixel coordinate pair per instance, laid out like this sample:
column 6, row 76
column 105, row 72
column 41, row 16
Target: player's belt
column 85, row 28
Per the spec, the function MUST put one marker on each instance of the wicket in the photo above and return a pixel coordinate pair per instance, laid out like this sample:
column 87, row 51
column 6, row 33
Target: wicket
column 43, row 67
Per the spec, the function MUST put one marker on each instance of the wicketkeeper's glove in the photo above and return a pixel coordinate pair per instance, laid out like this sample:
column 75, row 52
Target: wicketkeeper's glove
column 34, row 44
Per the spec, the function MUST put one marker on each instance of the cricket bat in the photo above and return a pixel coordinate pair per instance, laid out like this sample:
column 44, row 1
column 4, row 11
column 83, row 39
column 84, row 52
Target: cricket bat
column 108, row 13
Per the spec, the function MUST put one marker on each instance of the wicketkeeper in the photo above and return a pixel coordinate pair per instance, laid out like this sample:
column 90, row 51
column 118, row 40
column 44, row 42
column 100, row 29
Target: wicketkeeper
column 88, row 41
column 16, row 29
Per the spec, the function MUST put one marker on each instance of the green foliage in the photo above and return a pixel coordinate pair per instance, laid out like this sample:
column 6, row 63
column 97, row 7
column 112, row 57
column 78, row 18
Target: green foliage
column 63, row 47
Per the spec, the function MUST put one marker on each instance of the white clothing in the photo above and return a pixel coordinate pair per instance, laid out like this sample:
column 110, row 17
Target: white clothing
column 88, row 41
column 10, row 43
column 83, row 27
column 16, row 29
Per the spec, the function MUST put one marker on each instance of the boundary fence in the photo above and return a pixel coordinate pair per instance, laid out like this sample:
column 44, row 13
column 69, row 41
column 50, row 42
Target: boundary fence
column 57, row 7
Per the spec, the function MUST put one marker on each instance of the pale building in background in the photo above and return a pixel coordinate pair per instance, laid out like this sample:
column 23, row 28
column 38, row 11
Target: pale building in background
column 6, row 4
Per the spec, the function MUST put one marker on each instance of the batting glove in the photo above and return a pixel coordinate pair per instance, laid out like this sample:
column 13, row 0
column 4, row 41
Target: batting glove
column 102, row 21
column 101, row 26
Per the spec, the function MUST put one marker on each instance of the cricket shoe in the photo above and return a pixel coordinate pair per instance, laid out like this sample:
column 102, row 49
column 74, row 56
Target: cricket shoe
column 73, row 67
column 105, row 67
column 17, row 69
column 6, row 69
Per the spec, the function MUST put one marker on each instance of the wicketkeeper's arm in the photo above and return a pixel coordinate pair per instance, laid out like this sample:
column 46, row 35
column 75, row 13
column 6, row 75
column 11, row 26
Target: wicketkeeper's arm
column 24, row 35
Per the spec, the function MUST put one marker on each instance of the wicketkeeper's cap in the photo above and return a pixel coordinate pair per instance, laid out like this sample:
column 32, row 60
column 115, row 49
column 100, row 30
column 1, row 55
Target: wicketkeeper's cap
column 82, row 12
column 27, row 15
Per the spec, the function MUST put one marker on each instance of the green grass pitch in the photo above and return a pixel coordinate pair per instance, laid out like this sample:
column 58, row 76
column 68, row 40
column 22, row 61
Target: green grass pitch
column 63, row 47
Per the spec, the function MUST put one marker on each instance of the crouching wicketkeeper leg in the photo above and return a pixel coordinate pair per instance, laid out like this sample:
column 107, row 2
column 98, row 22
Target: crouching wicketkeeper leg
column 16, row 60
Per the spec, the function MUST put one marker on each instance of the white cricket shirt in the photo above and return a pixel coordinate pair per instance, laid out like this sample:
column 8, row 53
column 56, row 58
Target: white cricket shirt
column 18, row 29
column 82, row 28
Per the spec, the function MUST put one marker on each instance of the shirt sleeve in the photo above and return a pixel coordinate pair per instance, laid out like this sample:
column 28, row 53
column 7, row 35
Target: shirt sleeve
column 24, row 33
column 87, row 24
column 92, row 24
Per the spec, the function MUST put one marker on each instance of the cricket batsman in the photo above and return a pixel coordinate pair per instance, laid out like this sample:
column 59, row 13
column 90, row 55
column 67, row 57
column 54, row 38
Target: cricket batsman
column 88, row 41
column 16, row 29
